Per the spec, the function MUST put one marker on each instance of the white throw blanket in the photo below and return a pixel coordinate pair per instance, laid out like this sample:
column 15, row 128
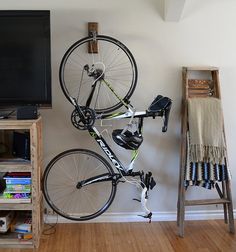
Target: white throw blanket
column 205, row 120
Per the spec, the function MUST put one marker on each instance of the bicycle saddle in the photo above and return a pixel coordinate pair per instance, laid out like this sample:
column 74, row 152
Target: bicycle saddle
column 127, row 140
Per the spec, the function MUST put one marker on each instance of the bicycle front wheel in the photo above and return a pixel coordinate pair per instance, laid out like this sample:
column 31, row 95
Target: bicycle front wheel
column 110, row 70
column 69, row 189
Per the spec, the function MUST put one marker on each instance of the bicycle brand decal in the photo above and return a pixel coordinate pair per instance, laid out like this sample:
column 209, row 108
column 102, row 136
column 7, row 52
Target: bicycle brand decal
column 111, row 157
column 93, row 134
column 114, row 115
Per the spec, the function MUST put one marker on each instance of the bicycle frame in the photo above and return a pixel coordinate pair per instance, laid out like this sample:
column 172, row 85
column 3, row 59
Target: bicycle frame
column 122, row 170
column 129, row 114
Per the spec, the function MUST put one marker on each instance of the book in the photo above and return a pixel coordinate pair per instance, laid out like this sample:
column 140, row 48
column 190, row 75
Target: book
column 17, row 178
column 15, row 181
column 18, row 188
column 22, row 223
column 18, row 174
column 13, row 200
column 15, row 195
column 16, row 191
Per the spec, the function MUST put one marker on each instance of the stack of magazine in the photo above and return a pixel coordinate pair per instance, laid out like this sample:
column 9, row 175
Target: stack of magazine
column 18, row 188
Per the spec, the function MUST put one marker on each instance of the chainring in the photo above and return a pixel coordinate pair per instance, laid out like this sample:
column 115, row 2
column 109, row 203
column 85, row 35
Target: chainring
column 89, row 116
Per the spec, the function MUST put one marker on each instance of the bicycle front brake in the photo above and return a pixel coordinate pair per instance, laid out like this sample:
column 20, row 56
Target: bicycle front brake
column 148, row 213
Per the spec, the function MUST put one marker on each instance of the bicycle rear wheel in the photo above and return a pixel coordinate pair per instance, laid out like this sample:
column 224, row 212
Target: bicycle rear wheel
column 112, row 69
column 62, row 182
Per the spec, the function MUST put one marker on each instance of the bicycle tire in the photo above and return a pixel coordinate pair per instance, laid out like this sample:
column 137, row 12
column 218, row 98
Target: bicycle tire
column 120, row 72
column 60, row 179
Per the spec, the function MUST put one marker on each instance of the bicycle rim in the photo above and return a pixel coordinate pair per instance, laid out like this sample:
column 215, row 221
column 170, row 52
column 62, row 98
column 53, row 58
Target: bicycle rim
column 117, row 68
column 61, row 178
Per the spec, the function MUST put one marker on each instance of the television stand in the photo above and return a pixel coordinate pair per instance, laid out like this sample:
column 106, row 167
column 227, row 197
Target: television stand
column 31, row 205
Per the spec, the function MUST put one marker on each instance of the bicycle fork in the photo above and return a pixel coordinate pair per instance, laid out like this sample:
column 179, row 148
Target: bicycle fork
column 147, row 182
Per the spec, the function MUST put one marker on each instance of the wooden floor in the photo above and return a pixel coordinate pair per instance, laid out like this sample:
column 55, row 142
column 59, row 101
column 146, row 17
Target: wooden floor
column 202, row 236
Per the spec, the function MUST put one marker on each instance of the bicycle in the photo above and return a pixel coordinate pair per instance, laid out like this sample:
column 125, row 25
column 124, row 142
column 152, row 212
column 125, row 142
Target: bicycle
column 80, row 184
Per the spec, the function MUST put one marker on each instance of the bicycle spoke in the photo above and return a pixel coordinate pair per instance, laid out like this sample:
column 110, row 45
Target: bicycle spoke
column 90, row 201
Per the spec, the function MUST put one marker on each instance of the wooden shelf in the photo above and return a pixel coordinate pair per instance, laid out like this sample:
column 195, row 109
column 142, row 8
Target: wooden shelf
column 8, row 163
column 18, row 124
column 16, row 206
column 15, row 165
column 11, row 240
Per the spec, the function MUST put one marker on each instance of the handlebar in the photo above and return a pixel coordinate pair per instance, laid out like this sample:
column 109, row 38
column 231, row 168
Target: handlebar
column 161, row 106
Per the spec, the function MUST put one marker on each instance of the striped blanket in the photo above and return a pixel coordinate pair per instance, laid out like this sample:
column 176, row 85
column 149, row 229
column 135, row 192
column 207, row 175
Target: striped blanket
column 206, row 149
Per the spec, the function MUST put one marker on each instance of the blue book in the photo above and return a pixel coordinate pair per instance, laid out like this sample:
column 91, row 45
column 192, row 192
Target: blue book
column 19, row 181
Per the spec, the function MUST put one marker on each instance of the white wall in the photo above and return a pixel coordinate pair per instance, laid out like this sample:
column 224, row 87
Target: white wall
column 204, row 36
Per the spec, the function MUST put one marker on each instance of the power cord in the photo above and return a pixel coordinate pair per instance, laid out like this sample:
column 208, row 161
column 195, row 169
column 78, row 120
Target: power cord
column 50, row 228
column 6, row 116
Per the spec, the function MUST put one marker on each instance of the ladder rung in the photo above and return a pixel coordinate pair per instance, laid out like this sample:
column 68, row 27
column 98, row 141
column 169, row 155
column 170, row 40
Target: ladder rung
column 199, row 95
column 205, row 202
column 193, row 83
column 202, row 68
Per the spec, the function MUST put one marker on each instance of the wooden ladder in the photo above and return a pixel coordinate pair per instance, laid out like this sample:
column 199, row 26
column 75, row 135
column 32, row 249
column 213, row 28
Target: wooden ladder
column 200, row 87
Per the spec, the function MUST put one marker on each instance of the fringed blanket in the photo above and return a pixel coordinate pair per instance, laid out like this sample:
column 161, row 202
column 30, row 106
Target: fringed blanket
column 206, row 144
column 205, row 120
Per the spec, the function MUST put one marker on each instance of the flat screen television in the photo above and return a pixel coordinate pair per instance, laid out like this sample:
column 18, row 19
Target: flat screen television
column 25, row 58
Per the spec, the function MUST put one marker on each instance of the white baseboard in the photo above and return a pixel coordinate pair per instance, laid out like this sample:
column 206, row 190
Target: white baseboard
column 133, row 217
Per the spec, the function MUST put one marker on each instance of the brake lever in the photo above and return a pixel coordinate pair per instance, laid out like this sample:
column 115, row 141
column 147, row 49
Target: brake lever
column 166, row 114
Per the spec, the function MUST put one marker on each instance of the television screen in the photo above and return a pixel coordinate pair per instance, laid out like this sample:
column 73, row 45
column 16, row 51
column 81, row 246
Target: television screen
column 25, row 58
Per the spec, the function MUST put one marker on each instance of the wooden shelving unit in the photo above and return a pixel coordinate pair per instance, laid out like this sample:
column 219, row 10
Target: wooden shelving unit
column 9, row 163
